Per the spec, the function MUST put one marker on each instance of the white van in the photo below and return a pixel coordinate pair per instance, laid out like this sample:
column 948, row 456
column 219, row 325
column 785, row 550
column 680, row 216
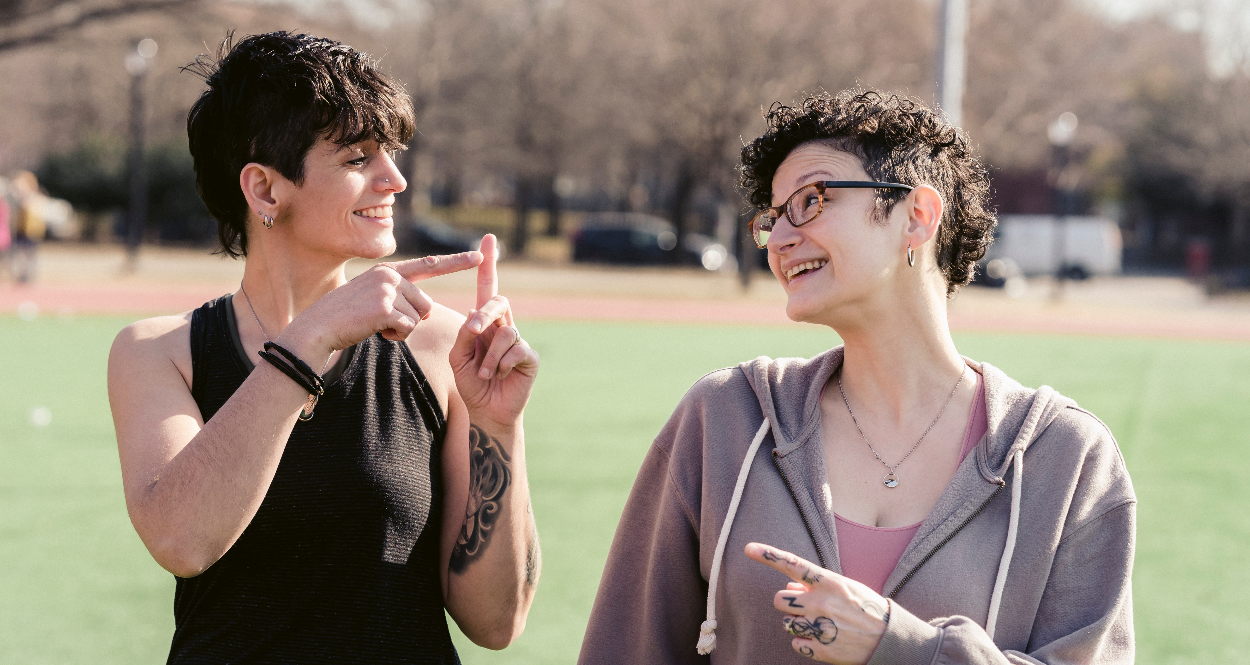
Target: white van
column 1089, row 245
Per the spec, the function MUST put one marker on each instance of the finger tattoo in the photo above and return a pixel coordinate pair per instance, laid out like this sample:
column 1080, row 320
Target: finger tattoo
column 791, row 600
column 489, row 476
column 772, row 555
column 810, row 578
column 821, row 629
column 807, row 651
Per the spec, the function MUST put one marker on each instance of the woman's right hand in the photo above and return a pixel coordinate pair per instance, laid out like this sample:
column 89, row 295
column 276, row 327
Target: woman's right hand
column 382, row 299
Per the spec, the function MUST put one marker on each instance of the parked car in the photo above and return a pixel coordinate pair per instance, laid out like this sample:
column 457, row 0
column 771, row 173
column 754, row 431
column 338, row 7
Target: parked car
column 428, row 235
column 641, row 239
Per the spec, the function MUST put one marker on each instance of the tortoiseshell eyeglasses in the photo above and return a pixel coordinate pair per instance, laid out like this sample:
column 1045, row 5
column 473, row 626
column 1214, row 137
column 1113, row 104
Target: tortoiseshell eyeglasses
column 806, row 204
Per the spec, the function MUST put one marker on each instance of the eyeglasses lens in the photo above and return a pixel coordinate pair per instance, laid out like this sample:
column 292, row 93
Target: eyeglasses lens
column 762, row 227
column 804, row 206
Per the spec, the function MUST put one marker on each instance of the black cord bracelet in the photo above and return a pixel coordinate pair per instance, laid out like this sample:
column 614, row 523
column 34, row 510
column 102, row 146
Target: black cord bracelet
column 313, row 378
column 291, row 372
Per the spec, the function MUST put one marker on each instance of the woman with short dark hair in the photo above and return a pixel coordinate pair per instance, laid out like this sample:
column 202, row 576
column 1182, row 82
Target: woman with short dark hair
column 917, row 506
column 327, row 466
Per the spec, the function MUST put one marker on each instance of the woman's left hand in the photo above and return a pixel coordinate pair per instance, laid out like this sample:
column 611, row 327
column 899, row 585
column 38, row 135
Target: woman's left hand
column 833, row 619
column 494, row 367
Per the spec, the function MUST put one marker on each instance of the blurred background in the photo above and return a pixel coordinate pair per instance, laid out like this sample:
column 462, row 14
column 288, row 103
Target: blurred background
column 599, row 141
column 534, row 115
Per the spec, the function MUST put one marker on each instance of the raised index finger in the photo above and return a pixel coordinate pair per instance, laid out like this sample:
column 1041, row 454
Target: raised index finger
column 433, row 266
column 795, row 567
column 487, row 277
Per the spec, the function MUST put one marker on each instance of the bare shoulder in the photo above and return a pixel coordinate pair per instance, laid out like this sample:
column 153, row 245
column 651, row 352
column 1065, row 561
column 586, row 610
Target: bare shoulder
column 161, row 339
column 431, row 343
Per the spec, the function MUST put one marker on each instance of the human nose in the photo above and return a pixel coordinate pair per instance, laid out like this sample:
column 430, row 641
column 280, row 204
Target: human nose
column 783, row 235
column 391, row 179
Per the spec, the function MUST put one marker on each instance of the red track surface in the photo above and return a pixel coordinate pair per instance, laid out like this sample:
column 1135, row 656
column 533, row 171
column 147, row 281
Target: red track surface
column 137, row 298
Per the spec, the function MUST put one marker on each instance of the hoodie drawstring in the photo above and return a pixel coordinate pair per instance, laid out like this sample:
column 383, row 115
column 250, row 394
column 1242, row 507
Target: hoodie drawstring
column 1013, row 527
column 707, row 632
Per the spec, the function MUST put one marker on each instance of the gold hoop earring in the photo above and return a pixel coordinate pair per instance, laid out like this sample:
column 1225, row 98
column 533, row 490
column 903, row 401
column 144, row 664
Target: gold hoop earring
column 266, row 220
column 911, row 256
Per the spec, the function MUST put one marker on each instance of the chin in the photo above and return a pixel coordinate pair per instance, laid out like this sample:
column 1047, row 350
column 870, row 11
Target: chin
column 378, row 248
column 799, row 311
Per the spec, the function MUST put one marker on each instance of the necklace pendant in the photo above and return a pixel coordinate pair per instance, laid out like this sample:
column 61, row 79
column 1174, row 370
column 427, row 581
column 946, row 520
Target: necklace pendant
column 891, row 480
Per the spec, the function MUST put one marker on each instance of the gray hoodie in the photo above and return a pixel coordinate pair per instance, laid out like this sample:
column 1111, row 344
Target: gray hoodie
column 1064, row 593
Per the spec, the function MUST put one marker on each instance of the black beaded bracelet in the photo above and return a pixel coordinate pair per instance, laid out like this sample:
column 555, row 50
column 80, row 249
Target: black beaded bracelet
column 291, row 372
column 313, row 378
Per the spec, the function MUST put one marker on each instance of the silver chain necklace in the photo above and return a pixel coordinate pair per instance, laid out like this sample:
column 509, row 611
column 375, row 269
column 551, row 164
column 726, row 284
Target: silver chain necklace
column 891, row 479
column 306, row 412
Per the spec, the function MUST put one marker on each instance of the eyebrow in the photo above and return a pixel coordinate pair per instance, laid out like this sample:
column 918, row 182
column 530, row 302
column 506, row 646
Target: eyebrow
column 806, row 177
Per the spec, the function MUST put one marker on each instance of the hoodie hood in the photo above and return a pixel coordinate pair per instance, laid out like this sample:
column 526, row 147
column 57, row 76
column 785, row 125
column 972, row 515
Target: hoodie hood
column 788, row 390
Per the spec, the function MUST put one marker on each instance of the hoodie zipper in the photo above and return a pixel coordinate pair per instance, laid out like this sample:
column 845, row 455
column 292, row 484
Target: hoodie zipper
column 807, row 525
column 944, row 540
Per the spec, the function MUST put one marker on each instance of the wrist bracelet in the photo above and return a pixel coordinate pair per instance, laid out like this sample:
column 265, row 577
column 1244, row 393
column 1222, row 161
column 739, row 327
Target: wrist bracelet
column 313, row 378
column 291, row 372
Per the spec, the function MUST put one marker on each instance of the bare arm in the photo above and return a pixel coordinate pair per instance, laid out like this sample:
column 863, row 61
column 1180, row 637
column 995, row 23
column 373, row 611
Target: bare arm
column 193, row 487
column 489, row 549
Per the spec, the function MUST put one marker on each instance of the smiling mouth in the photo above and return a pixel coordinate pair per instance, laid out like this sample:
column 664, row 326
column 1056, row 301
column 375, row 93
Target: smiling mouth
column 804, row 268
column 376, row 212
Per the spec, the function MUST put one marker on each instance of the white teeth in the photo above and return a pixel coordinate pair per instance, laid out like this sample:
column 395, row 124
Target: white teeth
column 376, row 211
column 803, row 267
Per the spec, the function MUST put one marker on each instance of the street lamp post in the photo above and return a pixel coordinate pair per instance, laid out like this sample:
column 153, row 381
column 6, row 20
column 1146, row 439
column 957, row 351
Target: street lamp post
column 953, row 27
column 1060, row 133
column 138, row 62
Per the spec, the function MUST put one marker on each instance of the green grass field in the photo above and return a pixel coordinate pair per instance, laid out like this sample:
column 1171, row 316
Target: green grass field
column 76, row 585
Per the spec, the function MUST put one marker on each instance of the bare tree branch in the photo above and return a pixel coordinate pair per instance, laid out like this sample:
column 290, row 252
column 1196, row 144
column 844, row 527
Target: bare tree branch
column 52, row 23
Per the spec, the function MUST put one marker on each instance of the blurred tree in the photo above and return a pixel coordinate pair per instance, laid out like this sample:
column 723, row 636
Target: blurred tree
column 28, row 22
column 92, row 179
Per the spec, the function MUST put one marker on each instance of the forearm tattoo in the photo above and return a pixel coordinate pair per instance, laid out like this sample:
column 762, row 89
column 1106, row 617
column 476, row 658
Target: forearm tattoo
column 489, row 476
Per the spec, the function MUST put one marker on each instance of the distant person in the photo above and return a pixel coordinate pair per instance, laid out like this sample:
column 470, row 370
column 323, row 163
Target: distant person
column 917, row 506
column 29, row 227
column 6, row 229
column 326, row 466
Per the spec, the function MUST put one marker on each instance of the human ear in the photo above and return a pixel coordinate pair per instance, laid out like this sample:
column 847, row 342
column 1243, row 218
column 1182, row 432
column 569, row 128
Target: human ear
column 924, row 213
column 259, row 183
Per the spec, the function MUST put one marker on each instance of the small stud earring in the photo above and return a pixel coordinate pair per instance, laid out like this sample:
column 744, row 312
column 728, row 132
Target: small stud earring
column 911, row 256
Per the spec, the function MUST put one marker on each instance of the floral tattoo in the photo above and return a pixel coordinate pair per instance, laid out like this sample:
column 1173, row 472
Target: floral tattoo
column 489, row 476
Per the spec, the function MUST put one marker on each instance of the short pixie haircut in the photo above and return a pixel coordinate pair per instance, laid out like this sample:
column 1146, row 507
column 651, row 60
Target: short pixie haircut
column 897, row 139
column 270, row 98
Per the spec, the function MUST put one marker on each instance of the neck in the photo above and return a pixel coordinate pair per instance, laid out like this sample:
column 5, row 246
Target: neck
column 900, row 359
column 281, row 282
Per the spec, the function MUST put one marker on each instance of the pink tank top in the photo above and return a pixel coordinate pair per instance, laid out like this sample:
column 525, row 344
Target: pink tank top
column 869, row 554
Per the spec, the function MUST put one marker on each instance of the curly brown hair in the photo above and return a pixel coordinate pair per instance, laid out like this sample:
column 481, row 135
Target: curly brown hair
column 898, row 139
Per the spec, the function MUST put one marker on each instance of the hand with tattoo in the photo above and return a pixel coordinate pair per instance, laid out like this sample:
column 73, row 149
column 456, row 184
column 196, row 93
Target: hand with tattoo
column 494, row 367
column 832, row 618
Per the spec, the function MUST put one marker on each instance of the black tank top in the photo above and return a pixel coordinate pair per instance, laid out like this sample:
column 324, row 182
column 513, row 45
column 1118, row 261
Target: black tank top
column 340, row 563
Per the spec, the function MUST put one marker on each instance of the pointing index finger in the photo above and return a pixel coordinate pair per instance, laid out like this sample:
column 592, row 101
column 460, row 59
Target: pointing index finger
column 794, row 567
column 432, row 266
column 487, row 276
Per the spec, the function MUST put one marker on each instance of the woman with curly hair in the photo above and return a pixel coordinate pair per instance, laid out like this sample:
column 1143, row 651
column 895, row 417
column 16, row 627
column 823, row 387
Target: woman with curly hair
column 329, row 467
column 912, row 505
